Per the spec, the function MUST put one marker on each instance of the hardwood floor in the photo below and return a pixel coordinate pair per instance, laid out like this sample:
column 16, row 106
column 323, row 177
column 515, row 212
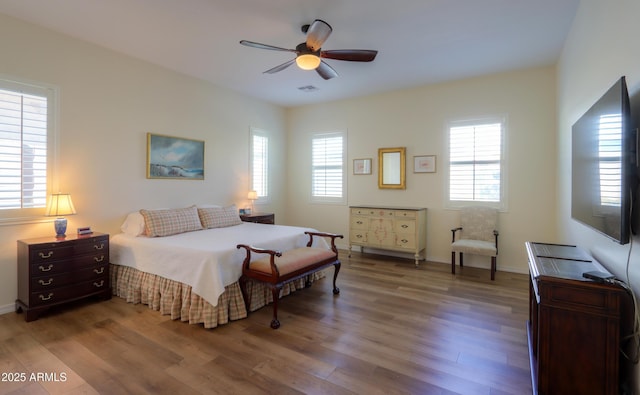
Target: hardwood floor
column 393, row 329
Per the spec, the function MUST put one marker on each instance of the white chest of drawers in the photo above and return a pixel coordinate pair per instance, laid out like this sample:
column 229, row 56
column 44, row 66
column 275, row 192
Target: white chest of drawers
column 402, row 229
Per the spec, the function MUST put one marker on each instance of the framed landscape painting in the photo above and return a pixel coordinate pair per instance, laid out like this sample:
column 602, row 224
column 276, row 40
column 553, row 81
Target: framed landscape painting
column 174, row 158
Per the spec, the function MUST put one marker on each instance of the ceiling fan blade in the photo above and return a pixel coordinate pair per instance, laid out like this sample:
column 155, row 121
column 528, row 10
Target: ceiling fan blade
column 280, row 67
column 352, row 55
column 327, row 72
column 317, row 34
column 265, row 46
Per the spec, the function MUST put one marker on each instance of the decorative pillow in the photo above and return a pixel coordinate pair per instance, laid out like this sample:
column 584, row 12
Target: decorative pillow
column 219, row 217
column 206, row 205
column 160, row 223
column 133, row 225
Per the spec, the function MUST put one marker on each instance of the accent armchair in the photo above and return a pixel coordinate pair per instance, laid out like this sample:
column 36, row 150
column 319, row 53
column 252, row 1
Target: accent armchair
column 477, row 234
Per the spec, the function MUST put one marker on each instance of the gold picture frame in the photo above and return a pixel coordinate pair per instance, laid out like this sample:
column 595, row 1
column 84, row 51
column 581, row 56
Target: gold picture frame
column 174, row 158
column 392, row 168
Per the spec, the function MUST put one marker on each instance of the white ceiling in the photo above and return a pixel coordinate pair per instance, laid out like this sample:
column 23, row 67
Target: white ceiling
column 419, row 41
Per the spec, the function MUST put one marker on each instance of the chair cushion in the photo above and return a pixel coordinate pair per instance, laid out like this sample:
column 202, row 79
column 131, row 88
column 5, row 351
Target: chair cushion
column 293, row 260
column 478, row 223
column 478, row 247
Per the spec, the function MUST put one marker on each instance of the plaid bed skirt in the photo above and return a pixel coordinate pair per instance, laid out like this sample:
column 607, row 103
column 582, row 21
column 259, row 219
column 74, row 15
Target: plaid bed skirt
column 176, row 299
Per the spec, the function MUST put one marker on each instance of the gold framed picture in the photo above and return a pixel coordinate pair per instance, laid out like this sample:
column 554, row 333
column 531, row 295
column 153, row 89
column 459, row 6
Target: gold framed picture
column 174, row 158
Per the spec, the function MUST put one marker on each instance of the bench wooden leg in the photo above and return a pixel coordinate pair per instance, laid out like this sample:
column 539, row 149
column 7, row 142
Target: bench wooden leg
column 275, row 324
column 493, row 268
column 336, row 269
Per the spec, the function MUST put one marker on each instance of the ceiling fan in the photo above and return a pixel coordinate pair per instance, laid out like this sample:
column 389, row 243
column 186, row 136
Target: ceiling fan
column 309, row 53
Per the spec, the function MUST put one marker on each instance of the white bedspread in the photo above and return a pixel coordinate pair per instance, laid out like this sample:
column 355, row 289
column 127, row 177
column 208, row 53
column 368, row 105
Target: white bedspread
column 207, row 260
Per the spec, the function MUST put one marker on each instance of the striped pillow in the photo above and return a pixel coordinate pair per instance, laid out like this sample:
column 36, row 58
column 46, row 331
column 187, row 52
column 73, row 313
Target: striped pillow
column 160, row 223
column 219, row 217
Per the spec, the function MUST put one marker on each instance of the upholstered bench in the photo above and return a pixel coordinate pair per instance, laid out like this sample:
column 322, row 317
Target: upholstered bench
column 280, row 268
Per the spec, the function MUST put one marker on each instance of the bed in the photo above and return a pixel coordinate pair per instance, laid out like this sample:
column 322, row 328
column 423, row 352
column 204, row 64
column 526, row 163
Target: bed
column 191, row 270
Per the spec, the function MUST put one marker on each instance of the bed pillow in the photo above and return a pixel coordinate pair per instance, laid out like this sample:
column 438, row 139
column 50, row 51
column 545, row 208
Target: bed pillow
column 160, row 223
column 208, row 206
column 219, row 217
column 133, row 225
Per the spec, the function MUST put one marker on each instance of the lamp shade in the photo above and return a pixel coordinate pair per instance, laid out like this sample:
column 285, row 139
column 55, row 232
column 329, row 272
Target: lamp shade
column 252, row 195
column 60, row 204
column 308, row 61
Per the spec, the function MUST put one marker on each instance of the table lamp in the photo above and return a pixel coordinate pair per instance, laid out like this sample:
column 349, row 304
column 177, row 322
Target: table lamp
column 60, row 204
column 253, row 196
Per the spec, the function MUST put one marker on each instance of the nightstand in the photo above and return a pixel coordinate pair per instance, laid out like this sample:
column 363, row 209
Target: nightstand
column 259, row 218
column 54, row 271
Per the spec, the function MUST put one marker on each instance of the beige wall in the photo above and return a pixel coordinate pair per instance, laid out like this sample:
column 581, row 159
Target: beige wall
column 108, row 102
column 601, row 47
column 416, row 119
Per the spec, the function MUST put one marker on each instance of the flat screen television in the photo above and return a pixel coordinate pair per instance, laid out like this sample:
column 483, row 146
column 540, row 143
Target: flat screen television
column 604, row 165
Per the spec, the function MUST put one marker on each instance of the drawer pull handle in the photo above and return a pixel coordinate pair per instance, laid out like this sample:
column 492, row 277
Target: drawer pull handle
column 359, row 236
column 405, row 226
column 98, row 285
column 43, row 269
column 404, row 240
column 98, row 259
column 359, row 222
column 99, row 271
column 42, row 297
column 43, row 256
column 98, row 247
column 42, row 282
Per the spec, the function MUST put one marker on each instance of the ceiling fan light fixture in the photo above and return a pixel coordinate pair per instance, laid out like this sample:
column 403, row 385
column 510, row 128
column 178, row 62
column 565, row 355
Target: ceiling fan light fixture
column 308, row 61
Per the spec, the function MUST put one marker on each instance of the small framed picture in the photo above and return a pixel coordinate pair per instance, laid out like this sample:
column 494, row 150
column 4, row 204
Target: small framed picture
column 424, row 164
column 362, row 166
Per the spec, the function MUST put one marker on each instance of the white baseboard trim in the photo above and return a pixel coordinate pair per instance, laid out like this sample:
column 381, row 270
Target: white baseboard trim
column 6, row 309
column 398, row 254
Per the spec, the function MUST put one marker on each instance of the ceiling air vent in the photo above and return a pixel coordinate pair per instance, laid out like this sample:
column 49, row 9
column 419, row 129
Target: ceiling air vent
column 308, row 88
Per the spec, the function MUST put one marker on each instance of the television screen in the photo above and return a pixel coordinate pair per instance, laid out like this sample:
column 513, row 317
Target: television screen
column 603, row 165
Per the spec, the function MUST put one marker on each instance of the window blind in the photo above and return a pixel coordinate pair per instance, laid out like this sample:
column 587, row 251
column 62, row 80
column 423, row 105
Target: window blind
column 23, row 150
column 328, row 166
column 475, row 162
column 260, row 165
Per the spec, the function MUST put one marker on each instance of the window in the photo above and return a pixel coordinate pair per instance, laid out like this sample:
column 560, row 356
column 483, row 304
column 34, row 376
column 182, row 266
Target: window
column 476, row 163
column 328, row 168
column 25, row 137
column 260, row 163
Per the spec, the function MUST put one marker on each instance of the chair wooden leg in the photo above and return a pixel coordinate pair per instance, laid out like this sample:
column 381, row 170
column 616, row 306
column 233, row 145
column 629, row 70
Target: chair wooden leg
column 461, row 260
column 453, row 262
column 493, row 268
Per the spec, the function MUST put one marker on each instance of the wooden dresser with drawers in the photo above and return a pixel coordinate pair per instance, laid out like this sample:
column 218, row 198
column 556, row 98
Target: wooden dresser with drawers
column 53, row 271
column 402, row 229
